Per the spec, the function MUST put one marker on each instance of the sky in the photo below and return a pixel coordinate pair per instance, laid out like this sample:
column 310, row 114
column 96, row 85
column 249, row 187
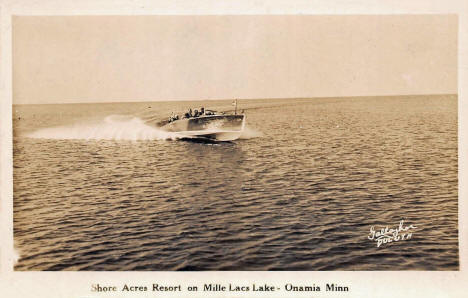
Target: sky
column 65, row 59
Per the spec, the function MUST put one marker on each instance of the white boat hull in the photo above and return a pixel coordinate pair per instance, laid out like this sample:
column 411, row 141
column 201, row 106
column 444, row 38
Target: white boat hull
column 215, row 127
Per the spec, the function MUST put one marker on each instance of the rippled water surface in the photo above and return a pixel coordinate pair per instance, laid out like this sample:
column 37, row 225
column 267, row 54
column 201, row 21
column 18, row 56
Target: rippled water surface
column 96, row 188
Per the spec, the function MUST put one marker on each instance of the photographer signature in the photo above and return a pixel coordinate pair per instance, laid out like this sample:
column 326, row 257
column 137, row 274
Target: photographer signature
column 387, row 235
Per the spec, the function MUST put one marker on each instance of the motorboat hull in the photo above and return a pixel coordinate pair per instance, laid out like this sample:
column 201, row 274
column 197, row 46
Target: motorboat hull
column 212, row 127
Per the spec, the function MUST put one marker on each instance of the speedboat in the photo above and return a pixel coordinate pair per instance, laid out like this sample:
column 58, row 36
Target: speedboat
column 209, row 125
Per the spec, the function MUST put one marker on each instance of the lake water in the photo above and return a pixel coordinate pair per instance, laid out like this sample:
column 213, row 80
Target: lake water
column 97, row 188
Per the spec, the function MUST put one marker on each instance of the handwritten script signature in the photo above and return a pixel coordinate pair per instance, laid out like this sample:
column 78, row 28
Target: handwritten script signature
column 387, row 235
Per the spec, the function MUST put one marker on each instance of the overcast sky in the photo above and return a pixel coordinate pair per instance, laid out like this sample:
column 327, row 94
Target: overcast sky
column 139, row 58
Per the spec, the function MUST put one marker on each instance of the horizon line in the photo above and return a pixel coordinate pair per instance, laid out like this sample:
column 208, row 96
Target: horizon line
column 225, row 99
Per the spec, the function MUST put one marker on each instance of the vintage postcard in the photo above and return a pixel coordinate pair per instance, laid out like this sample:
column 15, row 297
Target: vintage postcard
column 270, row 150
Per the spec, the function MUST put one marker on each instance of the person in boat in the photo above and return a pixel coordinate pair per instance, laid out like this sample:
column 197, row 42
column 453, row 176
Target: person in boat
column 195, row 113
column 202, row 111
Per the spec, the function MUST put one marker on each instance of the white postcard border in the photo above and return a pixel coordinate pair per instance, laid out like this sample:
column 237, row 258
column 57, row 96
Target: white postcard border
column 362, row 284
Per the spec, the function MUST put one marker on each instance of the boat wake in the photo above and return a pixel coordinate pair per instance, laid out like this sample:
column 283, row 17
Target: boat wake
column 250, row 133
column 116, row 127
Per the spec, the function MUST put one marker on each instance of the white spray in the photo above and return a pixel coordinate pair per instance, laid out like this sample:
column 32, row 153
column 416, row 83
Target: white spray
column 114, row 127
column 117, row 127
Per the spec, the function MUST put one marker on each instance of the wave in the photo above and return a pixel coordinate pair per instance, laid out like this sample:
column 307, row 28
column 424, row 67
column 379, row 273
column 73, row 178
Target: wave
column 113, row 127
column 117, row 127
column 250, row 133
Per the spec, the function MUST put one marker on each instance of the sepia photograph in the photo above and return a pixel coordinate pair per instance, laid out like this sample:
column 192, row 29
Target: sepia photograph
column 235, row 142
